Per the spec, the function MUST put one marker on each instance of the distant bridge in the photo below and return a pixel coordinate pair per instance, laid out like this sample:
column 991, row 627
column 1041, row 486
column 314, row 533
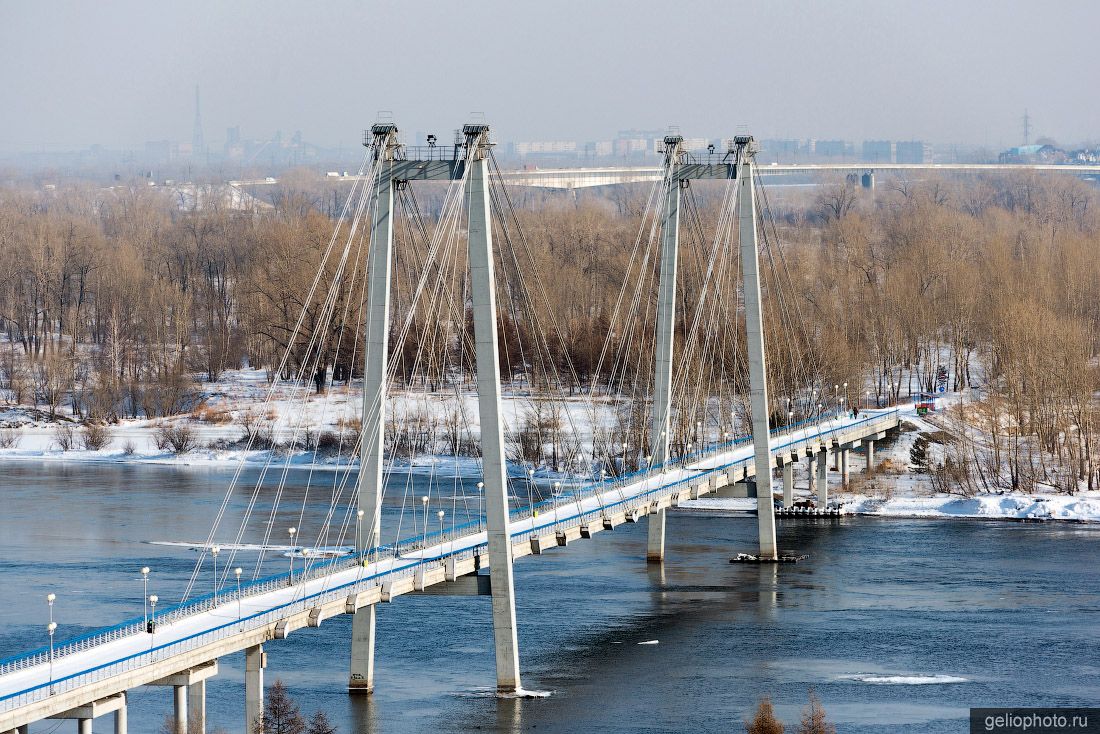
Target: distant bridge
column 583, row 178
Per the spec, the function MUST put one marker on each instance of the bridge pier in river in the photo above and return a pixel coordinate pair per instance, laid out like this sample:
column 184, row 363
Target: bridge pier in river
column 189, row 697
column 823, row 476
column 84, row 715
column 255, row 660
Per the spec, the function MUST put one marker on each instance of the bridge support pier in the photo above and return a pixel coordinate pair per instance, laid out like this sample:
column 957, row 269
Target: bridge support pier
column 870, row 456
column 120, row 719
column 823, row 478
column 844, row 467
column 655, row 539
column 255, row 660
column 196, row 707
column 811, row 473
column 487, row 354
column 179, row 709
column 84, row 726
column 362, row 650
column 375, row 361
column 788, row 483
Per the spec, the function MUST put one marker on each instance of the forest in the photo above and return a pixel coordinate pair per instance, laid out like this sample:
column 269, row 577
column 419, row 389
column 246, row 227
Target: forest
column 120, row 303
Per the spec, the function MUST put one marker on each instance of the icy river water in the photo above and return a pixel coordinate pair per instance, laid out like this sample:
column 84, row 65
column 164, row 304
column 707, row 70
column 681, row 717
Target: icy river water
column 899, row 625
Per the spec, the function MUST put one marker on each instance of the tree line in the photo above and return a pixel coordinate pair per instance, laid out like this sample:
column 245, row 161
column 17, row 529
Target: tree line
column 118, row 303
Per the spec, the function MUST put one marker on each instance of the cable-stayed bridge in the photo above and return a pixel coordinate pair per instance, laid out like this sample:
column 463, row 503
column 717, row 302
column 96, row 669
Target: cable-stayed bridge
column 703, row 396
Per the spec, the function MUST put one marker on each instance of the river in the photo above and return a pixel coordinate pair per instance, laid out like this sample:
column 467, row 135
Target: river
column 898, row 625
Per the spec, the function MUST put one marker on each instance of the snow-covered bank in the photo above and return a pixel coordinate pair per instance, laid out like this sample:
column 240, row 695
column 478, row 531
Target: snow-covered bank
column 983, row 507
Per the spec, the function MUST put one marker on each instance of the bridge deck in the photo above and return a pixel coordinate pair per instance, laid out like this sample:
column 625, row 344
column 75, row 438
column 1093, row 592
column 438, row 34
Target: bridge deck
column 272, row 611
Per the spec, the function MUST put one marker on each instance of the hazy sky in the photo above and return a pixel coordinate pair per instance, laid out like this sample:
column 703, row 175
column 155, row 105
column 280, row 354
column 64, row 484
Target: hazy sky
column 121, row 73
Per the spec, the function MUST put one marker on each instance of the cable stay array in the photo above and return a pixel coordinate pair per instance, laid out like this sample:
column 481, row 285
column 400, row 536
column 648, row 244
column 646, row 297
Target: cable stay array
column 566, row 438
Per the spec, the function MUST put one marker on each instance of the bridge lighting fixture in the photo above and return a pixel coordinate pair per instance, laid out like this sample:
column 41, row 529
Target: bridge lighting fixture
column 290, row 578
column 50, row 629
column 50, row 599
column 237, row 572
column 480, row 497
column 145, row 592
column 441, row 513
column 359, row 533
column 214, row 553
column 152, row 615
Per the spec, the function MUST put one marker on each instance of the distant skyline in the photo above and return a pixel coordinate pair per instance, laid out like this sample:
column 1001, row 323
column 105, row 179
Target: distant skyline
column 123, row 73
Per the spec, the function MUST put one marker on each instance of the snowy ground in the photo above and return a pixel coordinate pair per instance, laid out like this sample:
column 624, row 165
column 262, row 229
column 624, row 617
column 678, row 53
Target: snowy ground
column 292, row 413
column 897, row 491
column 894, row 491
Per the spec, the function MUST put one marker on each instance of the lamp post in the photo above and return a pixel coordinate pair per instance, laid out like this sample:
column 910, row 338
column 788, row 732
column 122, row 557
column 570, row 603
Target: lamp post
column 424, row 536
column 237, row 572
column 214, row 554
column 50, row 629
column 50, row 599
column 290, row 578
column 480, row 496
column 359, row 534
column 530, row 491
column 145, row 592
column 845, row 392
column 836, row 394
column 441, row 514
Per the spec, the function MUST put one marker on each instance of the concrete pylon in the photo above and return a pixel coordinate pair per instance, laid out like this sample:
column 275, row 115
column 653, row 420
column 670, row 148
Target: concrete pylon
column 666, row 324
column 754, row 327
column 870, row 456
column 486, row 348
column 255, row 660
column 375, row 366
column 120, row 718
column 844, row 467
column 811, row 473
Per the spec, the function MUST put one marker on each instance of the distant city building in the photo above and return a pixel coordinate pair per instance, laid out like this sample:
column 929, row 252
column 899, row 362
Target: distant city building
column 912, row 151
column 544, row 147
column 831, row 148
column 878, row 151
column 1034, row 154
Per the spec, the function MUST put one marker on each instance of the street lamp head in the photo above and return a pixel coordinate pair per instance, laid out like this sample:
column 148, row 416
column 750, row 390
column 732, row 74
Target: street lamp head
column 480, row 486
column 154, row 599
column 144, row 570
column 424, row 499
column 216, row 550
column 360, row 513
column 237, row 572
column 51, row 597
column 292, row 531
column 531, row 472
column 441, row 513
column 51, row 628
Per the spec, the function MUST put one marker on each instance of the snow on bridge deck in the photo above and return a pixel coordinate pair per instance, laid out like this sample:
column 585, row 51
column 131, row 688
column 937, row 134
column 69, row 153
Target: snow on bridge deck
column 271, row 608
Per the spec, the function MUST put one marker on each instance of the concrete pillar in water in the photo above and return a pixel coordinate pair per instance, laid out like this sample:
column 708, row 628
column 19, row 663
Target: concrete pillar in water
column 788, row 483
column 870, row 456
column 179, row 696
column 362, row 650
column 844, row 467
column 120, row 718
column 84, row 726
column 196, row 707
column 811, row 473
column 823, row 477
column 255, row 660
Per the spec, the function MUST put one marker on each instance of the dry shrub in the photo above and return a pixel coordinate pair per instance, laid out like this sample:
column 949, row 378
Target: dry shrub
column 9, row 438
column 206, row 414
column 177, row 439
column 64, row 436
column 95, row 437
